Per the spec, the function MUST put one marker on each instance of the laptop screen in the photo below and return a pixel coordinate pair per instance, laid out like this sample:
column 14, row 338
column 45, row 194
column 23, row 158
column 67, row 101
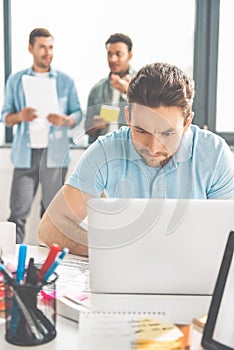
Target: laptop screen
column 219, row 330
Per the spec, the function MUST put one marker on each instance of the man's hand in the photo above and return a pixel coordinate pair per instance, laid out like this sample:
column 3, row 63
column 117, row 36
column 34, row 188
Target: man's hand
column 120, row 84
column 27, row 114
column 60, row 120
column 97, row 124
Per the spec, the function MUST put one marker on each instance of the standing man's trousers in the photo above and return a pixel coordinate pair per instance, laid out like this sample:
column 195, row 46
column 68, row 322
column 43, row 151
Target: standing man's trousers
column 24, row 187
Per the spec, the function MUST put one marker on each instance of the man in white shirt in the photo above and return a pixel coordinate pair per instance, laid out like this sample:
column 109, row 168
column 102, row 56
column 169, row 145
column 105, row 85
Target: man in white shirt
column 40, row 149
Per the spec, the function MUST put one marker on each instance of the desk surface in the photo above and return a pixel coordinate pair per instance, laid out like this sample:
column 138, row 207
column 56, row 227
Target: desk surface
column 67, row 334
column 67, row 331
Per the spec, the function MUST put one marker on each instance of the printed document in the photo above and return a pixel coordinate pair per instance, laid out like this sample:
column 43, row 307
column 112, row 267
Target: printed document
column 40, row 94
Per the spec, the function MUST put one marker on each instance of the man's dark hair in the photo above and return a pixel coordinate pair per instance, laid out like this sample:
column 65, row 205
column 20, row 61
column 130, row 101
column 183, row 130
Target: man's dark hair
column 162, row 84
column 37, row 32
column 120, row 38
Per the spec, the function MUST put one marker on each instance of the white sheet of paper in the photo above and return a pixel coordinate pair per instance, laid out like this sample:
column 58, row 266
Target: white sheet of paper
column 41, row 94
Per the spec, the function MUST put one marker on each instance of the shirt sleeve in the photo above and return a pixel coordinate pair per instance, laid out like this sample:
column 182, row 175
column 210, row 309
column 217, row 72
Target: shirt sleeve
column 223, row 180
column 92, row 108
column 90, row 173
column 74, row 104
column 8, row 106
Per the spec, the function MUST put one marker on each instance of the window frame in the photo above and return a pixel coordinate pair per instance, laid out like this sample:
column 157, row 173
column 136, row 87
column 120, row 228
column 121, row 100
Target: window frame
column 7, row 54
column 205, row 65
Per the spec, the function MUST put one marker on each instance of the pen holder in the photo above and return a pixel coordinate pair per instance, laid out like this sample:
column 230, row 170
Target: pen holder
column 30, row 312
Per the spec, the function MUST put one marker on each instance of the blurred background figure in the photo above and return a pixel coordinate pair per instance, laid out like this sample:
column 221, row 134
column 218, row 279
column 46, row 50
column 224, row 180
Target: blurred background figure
column 40, row 149
column 112, row 89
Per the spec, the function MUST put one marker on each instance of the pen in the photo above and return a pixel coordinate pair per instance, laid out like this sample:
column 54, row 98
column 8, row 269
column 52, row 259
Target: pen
column 54, row 249
column 57, row 261
column 21, row 263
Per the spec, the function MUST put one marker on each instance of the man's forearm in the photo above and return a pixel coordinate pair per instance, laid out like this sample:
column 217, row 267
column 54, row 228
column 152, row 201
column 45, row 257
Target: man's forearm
column 48, row 234
column 13, row 119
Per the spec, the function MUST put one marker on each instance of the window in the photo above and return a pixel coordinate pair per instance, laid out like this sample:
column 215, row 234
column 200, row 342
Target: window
column 225, row 86
column 161, row 32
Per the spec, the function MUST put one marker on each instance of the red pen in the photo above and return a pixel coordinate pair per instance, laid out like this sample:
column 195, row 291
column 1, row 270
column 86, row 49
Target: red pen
column 54, row 249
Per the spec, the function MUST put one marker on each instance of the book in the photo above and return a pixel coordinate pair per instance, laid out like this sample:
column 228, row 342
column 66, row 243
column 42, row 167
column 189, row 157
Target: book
column 70, row 307
column 199, row 323
column 129, row 331
column 72, row 286
column 109, row 113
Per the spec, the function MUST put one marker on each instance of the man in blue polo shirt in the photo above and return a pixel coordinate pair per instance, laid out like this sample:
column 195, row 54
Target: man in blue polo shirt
column 40, row 149
column 159, row 155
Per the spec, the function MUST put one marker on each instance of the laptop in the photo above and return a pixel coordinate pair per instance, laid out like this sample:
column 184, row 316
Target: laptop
column 218, row 332
column 164, row 247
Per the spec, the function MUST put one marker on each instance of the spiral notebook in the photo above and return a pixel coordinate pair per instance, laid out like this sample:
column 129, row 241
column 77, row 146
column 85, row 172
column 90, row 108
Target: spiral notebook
column 130, row 331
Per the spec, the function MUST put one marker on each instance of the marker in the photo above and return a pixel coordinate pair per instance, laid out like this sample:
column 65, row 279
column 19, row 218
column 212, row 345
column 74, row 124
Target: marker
column 21, row 263
column 57, row 261
column 15, row 318
column 54, row 250
column 31, row 272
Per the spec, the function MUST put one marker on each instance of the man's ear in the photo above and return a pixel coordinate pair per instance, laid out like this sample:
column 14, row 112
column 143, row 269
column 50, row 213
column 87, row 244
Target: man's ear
column 127, row 116
column 188, row 121
column 130, row 55
column 30, row 48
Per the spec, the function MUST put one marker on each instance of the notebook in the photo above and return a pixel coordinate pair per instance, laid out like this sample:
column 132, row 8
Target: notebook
column 218, row 332
column 169, row 249
column 130, row 331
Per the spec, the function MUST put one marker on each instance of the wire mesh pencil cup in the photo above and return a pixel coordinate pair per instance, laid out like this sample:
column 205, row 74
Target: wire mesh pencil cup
column 30, row 312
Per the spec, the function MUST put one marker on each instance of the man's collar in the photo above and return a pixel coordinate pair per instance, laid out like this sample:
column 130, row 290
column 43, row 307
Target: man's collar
column 52, row 72
column 185, row 150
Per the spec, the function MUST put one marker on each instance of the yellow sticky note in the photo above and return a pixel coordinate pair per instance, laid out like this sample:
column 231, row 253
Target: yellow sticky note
column 152, row 334
column 109, row 113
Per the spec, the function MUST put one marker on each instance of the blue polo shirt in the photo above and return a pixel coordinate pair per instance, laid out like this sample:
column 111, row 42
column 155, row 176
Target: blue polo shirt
column 203, row 167
column 58, row 146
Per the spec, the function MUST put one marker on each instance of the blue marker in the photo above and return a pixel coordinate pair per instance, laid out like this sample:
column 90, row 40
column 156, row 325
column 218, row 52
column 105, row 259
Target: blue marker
column 21, row 263
column 15, row 318
column 57, row 261
column 64, row 252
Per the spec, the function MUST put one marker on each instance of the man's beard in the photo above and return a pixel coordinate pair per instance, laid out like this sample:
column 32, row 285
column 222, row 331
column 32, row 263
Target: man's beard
column 153, row 162
column 120, row 74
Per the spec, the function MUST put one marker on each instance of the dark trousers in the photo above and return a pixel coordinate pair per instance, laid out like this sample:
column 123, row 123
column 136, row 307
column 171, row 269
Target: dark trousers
column 24, row 187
